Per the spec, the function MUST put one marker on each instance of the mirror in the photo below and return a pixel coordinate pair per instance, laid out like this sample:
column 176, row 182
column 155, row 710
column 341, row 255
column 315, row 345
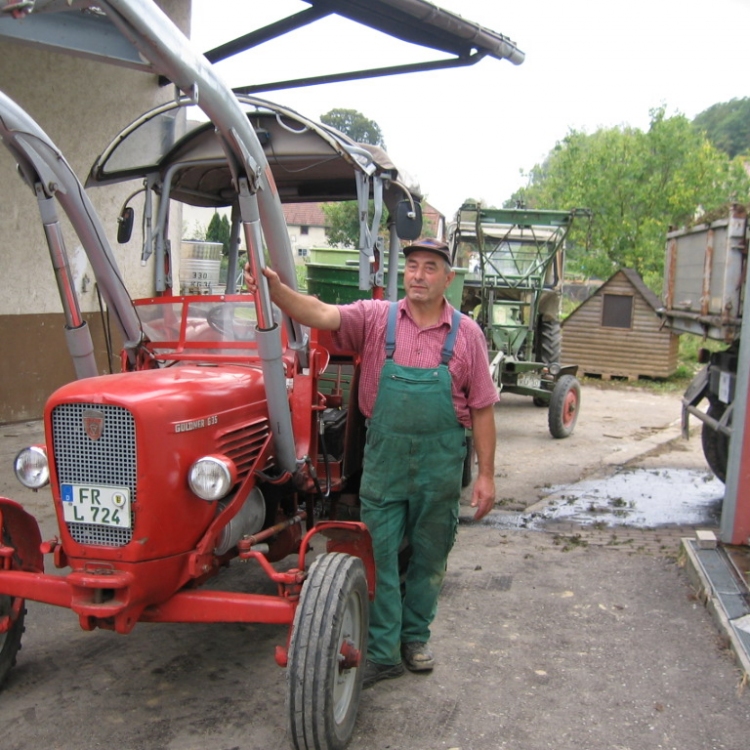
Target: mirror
column 408, row 220
column 125, row 225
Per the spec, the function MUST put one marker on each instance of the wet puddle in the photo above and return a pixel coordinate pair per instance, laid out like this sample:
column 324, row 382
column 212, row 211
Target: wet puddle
column 642, row 498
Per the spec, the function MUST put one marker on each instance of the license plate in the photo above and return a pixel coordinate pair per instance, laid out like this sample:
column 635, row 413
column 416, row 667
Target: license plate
column 97, row 504
column 528, row 380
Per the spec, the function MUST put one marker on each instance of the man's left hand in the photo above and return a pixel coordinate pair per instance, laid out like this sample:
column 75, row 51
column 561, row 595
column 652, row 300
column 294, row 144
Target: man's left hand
column 483, row 496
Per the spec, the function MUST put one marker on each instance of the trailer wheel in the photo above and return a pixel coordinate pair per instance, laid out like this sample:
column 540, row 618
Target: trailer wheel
column 468, row 471
column 715, row 444
column 563, row 406
column 327, row 653
column 10, row 640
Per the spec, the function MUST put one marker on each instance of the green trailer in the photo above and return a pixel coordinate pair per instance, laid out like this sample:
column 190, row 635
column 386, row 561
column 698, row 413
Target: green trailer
column 515, row 260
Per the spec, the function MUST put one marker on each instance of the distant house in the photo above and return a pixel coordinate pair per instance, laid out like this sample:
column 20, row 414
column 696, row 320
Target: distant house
column 433, row 221
column 617, row 332
column 306, row 225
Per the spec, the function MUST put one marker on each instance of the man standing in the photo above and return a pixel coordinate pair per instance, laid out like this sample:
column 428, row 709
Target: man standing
column 424, row 379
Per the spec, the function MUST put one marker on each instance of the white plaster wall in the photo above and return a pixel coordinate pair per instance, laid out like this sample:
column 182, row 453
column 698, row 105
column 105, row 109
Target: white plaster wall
column 81, row 105
column 315, row 237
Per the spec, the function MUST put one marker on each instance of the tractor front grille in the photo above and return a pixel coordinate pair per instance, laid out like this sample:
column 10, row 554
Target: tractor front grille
column 243, row 445
column 110, row 459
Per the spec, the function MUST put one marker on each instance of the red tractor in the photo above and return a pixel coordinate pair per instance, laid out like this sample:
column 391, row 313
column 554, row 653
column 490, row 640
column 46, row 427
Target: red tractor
column 231, row 433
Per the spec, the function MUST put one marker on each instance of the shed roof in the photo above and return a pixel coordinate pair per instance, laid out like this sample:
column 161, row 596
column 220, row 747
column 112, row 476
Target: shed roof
column 635, row 280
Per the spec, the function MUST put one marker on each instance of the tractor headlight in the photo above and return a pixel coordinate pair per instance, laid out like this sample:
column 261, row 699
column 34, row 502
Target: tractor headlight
column 211, row 477
column 32, row 468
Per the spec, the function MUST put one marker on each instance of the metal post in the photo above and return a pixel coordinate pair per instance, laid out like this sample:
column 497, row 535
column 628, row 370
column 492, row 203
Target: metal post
column 268, row 336
column 393, row 253
column 78, row 335
column 735, row 511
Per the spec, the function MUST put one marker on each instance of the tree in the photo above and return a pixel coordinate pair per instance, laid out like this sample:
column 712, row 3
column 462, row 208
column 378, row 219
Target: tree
column 637, row 184
column 355, row 125
column 342, row 223
column 219, row 230
column 727, row 126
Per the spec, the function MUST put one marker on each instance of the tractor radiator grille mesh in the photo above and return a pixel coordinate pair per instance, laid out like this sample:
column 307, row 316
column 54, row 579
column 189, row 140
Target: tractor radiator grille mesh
column 109, row 460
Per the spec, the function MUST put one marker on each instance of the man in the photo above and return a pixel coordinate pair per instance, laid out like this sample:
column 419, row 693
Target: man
column 424, row 379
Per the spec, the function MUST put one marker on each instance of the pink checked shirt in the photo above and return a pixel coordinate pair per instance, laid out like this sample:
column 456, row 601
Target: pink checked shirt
column 363, row 325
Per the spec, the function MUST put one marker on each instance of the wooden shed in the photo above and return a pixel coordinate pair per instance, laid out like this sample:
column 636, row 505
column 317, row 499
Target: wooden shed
column 617, row 332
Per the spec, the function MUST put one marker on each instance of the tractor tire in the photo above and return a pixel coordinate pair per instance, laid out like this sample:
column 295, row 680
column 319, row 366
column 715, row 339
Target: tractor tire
column 330, row 625
column 715, row 444
column 564, row 406
column 10, row 640
column 468, row 472
column 549, row 345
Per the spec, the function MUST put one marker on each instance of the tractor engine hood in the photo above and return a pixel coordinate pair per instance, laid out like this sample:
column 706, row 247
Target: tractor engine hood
column 143, row 431
column 175, row 400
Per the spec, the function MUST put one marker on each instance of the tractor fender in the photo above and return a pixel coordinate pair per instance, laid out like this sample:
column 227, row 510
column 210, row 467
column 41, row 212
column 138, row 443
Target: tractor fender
column 24, row 533
column 350, row 537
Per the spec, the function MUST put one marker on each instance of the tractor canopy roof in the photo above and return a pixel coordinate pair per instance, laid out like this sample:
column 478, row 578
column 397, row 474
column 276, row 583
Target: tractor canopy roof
column 309, row 161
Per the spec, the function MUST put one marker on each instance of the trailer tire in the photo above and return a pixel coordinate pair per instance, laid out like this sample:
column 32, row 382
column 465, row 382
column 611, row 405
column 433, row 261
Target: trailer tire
column 333, row 614
column 715, row 444
column 564, row 406
column 10, row 640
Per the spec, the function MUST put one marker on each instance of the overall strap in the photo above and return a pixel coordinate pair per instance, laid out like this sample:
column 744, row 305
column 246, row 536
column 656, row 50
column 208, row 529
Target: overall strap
column 390, row 331
column 450, row 339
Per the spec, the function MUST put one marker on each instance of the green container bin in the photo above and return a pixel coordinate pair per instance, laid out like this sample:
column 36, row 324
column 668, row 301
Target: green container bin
column 339, row 284
column 334, row 256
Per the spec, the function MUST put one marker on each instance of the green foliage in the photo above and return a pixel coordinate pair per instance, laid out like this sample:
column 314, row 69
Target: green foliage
column 342, row 223
column 301, row 271
column 727, row 126
column 355, row 125
column 219, row 230
column 637, row 184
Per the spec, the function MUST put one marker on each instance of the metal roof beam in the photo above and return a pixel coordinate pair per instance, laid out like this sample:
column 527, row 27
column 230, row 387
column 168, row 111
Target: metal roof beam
column 265, row 34
column 359, row 74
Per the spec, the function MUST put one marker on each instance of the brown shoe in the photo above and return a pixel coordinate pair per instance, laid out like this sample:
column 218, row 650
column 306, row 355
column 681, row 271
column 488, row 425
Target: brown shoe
column 376, row 672
column 417, row 656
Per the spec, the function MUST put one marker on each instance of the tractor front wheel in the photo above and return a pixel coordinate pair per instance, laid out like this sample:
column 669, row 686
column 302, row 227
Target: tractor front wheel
column 563, row 406
column 12, row 613
column 327, row 653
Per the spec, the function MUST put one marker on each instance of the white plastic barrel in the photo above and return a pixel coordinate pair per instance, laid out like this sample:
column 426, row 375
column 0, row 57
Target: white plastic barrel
column 200, row 263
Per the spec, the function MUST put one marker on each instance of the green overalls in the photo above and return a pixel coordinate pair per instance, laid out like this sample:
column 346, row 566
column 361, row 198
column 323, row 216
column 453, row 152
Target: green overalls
column 411, row 486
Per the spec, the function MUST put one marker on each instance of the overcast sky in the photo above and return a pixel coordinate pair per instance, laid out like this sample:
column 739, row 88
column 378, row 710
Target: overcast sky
column 471, row 132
